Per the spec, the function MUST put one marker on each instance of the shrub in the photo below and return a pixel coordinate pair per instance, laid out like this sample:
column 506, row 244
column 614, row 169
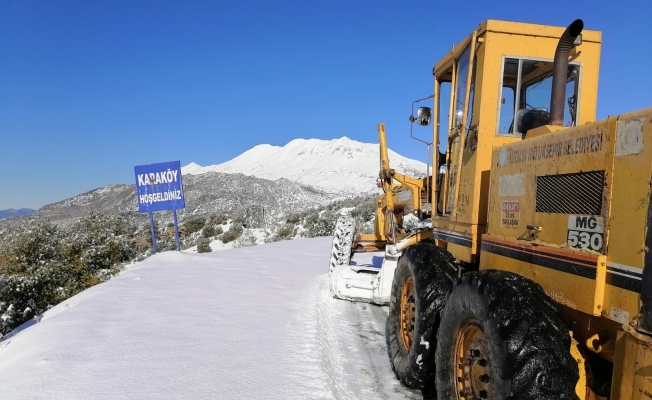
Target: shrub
column 285, row 232
column 208, row 231
column 100, row 245
column 217, row 219
column 310, row 219
column 204, row 246
column 42, row 265
column 245, row 240
column 167, row 243
column 251, row 216
column 233, row 233
column 293, row 218
column 30, row 269
column 365, row 210
column 194, row 225
column 324, row 226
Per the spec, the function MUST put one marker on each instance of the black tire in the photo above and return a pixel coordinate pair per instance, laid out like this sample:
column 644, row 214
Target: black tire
column 433, row 273
column 342, row 240
column 526, row 343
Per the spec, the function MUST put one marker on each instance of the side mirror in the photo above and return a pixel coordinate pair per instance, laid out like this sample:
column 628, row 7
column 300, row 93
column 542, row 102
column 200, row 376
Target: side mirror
column 424, row 115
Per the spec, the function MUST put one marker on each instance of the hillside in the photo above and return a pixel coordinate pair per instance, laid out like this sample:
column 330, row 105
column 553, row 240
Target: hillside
column 208, row 193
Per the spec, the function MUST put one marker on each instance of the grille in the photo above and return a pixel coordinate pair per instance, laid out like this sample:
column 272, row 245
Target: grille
column 579, row 193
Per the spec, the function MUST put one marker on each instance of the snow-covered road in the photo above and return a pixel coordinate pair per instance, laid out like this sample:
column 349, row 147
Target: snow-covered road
column 248, row 323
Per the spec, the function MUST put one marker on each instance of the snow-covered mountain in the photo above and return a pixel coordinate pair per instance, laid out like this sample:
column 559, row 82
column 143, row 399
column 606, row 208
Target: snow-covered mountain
column 304, row 173
column 343, row 166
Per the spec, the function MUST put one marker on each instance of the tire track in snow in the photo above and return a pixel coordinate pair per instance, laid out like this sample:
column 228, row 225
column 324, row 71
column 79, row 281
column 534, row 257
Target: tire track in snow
column 367, row 331
column 319, row 374
column 340, row 350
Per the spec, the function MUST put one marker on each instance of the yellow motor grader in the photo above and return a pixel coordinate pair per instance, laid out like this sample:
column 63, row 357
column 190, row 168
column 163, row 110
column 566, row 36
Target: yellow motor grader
column 534, row 280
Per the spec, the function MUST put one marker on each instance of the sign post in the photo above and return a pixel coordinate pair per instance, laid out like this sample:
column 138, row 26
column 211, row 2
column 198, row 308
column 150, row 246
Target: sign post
column 151, row 226
column 159, row 188
column 176, row 230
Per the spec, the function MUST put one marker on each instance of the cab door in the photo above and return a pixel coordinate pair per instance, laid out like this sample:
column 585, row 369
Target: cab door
column 455, row 197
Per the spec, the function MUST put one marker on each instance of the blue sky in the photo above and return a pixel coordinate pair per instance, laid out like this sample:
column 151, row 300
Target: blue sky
column 89, row 89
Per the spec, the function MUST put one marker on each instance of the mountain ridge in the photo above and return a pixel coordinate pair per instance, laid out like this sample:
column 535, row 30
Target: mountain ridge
column 12, row 212
column 208, row 193
column 335, row 166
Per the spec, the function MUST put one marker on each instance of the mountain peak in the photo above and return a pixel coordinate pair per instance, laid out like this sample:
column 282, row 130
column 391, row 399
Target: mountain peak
column 191, row 168
column 340, row 165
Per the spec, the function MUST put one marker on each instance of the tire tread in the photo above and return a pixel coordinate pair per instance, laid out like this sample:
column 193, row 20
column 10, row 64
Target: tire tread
column 536, row 344
column 434, row 274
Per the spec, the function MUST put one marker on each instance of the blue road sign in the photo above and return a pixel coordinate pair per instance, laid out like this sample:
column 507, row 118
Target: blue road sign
column 159, row 187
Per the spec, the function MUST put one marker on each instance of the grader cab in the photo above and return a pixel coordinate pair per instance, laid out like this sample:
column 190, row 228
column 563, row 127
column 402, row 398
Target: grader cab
column 535, row 278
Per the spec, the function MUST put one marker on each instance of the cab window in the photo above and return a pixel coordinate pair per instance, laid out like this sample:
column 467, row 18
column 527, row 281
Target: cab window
column 525, row 95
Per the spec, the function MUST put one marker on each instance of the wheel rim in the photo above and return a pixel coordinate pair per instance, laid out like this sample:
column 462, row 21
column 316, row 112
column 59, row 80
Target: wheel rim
column 473, row 363
column 408, row 313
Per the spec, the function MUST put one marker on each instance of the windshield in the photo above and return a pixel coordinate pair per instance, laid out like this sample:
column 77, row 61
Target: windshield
column 525, row 95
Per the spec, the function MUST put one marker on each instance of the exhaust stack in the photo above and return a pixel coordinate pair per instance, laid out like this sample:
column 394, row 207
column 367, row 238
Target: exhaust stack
column 566, row 43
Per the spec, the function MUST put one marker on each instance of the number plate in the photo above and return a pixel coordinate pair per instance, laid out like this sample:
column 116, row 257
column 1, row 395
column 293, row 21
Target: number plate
column 585, row 232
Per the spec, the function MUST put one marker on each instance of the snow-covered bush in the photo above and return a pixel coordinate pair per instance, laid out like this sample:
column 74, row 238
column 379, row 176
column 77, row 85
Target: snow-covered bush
column 310, row 219
column 321, row 221
column 204, row 246
column 217, row 219
column 245, row 240
column 252, row 217
column 208, row 231
column 194, row 225
column 99, row 244
column 32, row 276
column 285, row 231
column 42, row 265
column 294, row 218
column 233, row 233
column 167, row 242
column 365, row 210
column 324, row 225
